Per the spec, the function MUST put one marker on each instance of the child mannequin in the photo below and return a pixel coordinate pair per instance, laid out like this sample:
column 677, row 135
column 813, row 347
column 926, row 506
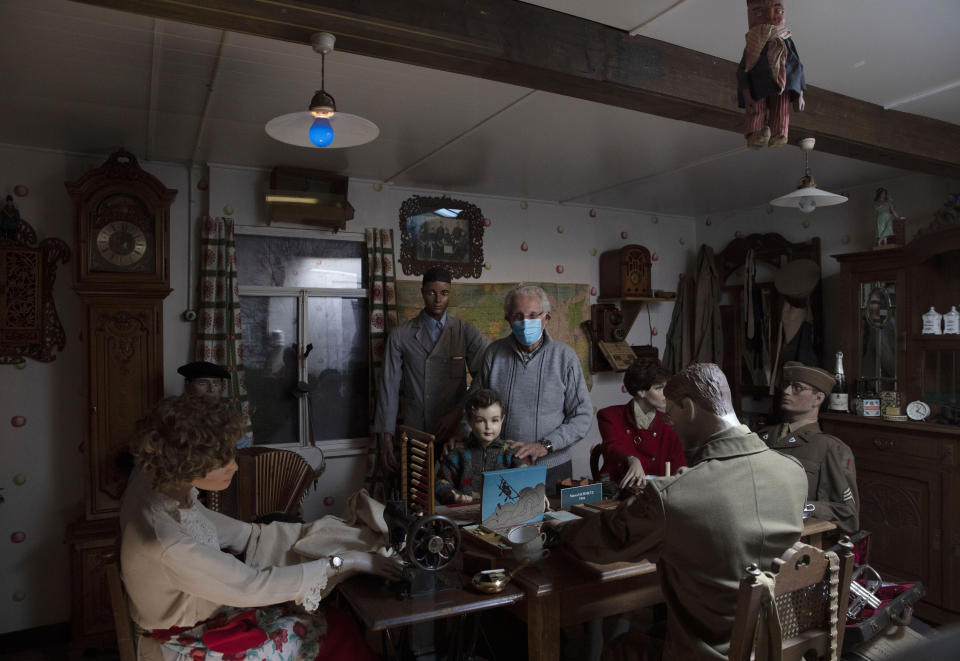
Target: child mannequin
column 458, row 480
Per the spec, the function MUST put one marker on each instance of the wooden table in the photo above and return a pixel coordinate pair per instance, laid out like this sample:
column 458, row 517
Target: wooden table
column 564, row 591
column 813, row 530
column 380, row 609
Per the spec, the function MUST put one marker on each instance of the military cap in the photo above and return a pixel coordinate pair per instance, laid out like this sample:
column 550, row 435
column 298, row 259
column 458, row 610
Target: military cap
column 797, row 279
column 201, row 369
column 820, row 379
column 436, row 274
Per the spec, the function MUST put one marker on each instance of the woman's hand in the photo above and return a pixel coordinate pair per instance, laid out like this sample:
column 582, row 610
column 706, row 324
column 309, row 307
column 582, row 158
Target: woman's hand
column 634, row 477
column 372, row 563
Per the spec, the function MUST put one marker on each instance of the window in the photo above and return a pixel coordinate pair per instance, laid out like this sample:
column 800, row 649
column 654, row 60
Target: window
column 305, row 334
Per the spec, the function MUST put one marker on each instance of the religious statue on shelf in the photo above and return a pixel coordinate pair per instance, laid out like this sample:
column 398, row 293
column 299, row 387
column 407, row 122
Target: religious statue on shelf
column 9, row 220
column 770, row 76
column 886, row 215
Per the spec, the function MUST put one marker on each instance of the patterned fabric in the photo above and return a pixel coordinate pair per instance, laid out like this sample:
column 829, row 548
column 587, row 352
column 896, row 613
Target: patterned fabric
column 383, row 297
column 772, row 111
column 776, row 37
column 218, row 329
column 382, row 286
column 286, row 633
column 461, row 470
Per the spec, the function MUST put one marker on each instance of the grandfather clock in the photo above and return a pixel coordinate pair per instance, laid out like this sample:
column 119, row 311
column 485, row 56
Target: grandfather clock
column 122, row 220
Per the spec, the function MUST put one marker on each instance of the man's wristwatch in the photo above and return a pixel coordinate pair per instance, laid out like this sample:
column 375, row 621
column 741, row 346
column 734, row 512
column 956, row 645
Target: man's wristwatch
column 547, row 445
column 336, row 563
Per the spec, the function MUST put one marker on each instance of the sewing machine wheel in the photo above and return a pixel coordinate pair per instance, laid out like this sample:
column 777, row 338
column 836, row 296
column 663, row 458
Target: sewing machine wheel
column 432, row 542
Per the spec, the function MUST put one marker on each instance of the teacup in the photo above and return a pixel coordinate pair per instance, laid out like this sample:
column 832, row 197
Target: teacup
column 527, row 542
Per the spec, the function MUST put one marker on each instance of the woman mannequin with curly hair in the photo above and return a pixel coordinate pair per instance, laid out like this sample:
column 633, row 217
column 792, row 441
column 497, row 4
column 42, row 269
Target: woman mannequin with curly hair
column 188, row 594
column 637, row 440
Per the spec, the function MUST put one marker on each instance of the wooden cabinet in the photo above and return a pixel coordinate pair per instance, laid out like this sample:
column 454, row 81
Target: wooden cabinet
column 908, row 479
column 746, row 369
column 907, row 472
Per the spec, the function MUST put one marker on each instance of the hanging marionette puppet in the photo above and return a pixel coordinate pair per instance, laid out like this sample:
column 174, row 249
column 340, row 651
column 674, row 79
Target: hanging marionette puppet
column 769, row 77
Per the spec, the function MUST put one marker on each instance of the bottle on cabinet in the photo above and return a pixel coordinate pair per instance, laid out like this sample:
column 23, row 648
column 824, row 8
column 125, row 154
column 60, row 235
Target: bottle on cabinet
column 839, row 399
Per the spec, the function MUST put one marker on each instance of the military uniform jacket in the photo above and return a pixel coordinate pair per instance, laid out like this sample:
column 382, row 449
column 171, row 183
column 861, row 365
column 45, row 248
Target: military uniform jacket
column 423, row 382
column 831, row 472
column 738, row 503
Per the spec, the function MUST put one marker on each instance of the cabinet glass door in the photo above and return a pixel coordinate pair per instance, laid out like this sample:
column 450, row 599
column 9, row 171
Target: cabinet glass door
column 878, row 334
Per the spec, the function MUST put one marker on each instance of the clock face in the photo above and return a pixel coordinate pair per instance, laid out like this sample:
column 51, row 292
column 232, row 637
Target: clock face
column 918, row 410
column 121, row 243
column 123, row 237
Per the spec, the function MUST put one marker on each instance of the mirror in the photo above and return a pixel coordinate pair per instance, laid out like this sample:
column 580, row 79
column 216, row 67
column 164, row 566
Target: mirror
column 878, row 336
column 440, row 231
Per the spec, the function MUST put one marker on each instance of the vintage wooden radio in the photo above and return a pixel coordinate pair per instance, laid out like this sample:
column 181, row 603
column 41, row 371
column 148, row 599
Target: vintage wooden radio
column 625, row 272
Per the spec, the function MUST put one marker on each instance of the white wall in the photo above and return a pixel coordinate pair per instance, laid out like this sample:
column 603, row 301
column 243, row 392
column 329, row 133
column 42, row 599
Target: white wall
column 240, row 192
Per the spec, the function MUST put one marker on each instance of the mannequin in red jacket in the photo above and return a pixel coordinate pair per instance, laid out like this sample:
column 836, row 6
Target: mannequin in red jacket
column 637, row 440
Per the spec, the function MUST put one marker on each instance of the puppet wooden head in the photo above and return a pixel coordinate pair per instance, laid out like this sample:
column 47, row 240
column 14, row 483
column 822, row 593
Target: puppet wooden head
column 766, row 12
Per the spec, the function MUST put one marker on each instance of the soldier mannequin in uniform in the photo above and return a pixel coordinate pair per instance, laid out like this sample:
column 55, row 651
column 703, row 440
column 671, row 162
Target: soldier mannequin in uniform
column 831, row 471
column 737, row 503
column 425, row 369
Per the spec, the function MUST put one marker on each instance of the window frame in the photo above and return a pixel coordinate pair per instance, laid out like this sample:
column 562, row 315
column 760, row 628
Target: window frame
column 330, row 447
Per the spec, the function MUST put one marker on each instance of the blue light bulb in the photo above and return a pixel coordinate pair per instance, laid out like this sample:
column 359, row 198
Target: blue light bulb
column 321, row 133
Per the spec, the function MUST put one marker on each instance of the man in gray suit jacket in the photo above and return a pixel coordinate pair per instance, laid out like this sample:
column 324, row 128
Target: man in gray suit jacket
column 425, row 369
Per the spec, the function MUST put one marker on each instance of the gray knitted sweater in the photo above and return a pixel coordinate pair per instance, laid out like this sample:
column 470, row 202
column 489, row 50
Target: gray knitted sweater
column 545, row 393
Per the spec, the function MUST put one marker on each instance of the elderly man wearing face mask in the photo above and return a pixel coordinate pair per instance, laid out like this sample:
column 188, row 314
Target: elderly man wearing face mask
column 542, row 383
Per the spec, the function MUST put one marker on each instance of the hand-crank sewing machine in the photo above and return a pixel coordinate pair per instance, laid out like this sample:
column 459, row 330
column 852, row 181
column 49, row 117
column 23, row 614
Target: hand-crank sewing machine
column 427, row 541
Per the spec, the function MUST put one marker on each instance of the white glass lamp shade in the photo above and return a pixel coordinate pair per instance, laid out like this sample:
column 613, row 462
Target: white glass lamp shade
column 808, row 198
column 348, row 130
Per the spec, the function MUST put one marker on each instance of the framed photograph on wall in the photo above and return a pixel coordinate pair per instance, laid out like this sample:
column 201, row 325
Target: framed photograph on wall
column 440, row 231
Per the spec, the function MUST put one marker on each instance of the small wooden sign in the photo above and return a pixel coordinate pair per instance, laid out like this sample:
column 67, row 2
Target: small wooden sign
column 618, row 354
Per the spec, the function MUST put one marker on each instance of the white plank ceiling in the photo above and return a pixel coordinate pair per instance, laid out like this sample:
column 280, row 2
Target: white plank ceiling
column 87, row 79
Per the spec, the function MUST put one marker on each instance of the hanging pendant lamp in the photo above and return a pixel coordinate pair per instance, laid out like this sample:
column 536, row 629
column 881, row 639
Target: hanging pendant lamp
column 321, row 125
column 808, row 197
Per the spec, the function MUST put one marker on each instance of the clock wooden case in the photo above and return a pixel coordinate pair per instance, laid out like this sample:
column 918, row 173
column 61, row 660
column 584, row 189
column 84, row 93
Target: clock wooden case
column 122, row 217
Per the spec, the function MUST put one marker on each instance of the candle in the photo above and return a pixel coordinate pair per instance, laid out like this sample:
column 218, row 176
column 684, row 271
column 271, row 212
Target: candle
column 666, row 471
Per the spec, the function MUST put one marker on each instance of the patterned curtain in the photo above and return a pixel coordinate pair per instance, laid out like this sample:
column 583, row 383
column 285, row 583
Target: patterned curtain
column 218, row 324
column 383, row 319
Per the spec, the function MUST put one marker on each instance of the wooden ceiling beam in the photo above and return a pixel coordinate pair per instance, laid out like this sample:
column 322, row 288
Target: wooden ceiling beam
column 529, row 46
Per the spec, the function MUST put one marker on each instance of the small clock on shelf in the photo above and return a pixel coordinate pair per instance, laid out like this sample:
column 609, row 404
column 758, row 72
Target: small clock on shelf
column 918, row 411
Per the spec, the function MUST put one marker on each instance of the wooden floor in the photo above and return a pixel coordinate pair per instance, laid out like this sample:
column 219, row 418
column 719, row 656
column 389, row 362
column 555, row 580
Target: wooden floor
column 61, row 652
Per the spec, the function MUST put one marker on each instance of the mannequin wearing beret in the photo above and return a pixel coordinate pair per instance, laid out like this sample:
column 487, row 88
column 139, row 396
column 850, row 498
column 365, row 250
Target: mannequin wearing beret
column 208, row 380
column 828, row 461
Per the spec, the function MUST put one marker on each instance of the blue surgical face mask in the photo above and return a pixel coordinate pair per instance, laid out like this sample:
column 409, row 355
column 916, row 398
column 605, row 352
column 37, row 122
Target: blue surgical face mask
column 527, row 331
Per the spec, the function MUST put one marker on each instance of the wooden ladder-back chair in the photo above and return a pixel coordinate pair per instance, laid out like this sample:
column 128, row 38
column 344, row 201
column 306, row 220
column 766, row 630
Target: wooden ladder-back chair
column 271, row 481
column 418, row 472
column 802, row 589
column 121, row 611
